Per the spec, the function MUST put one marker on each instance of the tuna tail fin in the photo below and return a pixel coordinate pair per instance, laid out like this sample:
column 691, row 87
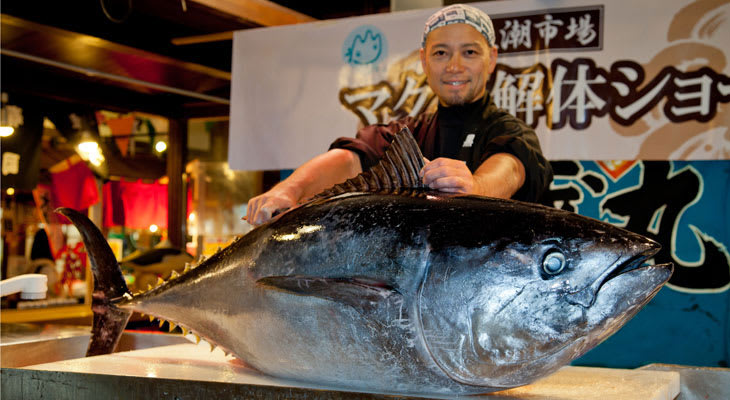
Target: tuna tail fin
column 109, row 285
column 399, row 168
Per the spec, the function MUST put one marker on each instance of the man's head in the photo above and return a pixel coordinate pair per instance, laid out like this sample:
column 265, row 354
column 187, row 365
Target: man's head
column 458, row 53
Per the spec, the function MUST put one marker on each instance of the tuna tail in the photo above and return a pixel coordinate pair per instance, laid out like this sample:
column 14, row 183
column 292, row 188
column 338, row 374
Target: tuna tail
column 109, row 286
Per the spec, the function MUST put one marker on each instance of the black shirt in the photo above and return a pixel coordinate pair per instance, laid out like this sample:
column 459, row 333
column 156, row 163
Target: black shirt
column 450, row 134
column 485, row 130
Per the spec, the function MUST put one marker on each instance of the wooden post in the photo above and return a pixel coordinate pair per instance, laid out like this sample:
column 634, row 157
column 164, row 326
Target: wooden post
column 176, row 197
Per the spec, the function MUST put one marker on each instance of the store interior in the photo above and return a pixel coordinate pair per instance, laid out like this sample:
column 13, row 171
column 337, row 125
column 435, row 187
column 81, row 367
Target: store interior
column 121, row 108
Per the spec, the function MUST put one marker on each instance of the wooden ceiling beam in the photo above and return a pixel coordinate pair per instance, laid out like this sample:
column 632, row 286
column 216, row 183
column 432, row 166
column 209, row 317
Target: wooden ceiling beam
column 213, row 37
column 260, row 12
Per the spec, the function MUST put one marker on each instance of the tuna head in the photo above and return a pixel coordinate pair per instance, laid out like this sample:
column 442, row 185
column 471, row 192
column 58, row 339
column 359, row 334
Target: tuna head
column 527, row 289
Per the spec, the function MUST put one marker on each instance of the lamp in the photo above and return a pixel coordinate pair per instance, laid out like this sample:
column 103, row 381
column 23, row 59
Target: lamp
column 89, row 149
column 160, row 146
column 10, row 117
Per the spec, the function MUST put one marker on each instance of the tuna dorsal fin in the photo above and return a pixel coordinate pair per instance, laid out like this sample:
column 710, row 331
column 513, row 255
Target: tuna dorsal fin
column 365, row 295
column 398, row 169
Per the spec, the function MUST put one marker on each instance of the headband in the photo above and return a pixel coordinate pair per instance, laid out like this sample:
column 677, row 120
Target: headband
column 461, row 14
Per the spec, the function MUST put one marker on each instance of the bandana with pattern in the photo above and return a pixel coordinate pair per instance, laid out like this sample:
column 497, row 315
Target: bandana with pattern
column 461, row 14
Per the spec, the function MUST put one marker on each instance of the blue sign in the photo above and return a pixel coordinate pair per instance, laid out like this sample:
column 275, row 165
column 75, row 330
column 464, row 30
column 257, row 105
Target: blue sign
column 684, row 206
column 364, row 45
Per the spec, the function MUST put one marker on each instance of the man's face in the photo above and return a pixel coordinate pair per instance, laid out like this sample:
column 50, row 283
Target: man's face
column 457, row 61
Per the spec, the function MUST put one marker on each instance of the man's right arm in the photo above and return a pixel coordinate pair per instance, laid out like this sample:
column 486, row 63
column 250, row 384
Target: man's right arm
column 312, row 177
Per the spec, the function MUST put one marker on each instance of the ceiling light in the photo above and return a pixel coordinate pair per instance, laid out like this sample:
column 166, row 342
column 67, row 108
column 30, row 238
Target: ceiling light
column 6, row 131
column 89, row 149
column 11, row 117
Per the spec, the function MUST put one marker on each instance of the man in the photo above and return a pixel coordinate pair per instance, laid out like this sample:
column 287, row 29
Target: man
column 475, row 148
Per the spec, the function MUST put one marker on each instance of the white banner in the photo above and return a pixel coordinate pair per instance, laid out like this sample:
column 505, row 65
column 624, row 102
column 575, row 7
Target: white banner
column 618, row 80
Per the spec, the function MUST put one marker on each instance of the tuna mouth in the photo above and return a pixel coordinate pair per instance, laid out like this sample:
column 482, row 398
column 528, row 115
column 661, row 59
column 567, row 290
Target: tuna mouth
column 632, row 264
column 587, row 296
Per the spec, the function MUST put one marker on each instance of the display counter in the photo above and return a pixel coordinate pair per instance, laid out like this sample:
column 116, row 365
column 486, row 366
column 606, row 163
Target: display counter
column 168, row 366
column 28, row 344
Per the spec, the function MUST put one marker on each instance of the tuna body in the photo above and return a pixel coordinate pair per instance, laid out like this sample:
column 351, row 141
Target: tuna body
column 414, row 292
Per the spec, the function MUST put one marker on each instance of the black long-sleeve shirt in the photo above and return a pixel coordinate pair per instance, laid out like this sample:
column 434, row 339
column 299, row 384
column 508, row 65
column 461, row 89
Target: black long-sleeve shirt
column 470, row 133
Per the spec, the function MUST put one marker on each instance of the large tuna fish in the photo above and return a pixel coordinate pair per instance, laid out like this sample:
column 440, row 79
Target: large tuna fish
column 406, row 291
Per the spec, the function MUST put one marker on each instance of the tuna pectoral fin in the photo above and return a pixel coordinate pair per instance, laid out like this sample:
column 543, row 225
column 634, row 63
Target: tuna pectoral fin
column 363, row 294
column 109, row 284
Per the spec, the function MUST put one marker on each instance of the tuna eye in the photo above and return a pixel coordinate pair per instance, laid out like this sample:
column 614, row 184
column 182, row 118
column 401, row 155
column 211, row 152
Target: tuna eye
column 553, row 263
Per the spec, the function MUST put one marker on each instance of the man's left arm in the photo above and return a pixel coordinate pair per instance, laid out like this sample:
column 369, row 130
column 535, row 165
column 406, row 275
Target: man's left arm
column 500, row 175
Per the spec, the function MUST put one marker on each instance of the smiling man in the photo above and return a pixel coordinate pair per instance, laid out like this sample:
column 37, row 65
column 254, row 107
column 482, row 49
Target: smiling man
column 473, row 147
column 458, row 61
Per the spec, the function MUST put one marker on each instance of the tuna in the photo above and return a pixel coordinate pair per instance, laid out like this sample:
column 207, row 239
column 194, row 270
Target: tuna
column 382, row 285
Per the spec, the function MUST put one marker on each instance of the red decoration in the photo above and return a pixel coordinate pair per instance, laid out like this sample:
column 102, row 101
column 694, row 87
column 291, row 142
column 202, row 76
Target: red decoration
column 74, row 266
column 135, row 205
column 74, row 187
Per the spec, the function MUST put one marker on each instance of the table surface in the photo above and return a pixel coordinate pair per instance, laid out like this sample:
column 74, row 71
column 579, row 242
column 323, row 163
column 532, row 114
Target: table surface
column 11, row 334
column 191, row 362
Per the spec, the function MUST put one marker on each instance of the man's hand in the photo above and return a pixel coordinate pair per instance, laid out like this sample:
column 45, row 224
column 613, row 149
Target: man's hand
column 448, row 175
column 310, row 178
column 263, row 207
column 500, row 175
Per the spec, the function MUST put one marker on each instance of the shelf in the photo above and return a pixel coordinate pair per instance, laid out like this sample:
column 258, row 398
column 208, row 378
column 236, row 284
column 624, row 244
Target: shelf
column 46, row 314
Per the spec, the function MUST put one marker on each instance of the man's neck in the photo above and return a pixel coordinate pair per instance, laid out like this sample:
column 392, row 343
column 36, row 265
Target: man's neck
column 463, row 108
